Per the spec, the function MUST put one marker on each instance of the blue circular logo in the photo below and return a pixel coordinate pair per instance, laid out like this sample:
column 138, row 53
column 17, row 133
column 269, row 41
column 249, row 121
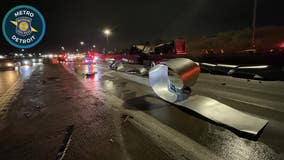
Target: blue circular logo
column 23, row 26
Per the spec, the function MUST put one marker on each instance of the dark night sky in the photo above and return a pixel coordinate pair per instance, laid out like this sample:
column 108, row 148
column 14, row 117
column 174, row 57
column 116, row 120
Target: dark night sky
column 70, row 21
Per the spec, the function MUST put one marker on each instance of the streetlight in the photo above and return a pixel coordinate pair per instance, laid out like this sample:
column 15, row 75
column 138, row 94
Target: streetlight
column 107, row 32
column 63, row 49
column 82, row 45
column 93, row 47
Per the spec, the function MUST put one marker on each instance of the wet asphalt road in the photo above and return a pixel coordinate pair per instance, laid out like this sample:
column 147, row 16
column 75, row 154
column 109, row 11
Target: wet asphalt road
column 261, row 98
column 36, row 121
column 10, row 85
column 264, row 99
column 10, row 77
column 7, row 78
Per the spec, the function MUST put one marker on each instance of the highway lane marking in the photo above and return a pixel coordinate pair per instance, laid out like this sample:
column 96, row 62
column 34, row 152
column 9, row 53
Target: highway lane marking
column 252, row 85
column 223, row 94
column 7, row 97
column 254, row 104
column 11, row 93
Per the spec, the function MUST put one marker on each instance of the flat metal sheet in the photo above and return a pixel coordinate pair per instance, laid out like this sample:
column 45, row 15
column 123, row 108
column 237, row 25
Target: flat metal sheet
column 171, row 80
column 223, row 114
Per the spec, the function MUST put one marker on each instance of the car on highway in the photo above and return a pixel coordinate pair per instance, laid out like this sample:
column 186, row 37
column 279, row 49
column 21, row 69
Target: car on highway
column 26, row 62
column 37, row 60
column 8, row 64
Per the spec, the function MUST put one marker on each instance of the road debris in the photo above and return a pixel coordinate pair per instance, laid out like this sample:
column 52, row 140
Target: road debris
column 125, row 117
column 111, row 140
column 27, row 115
column 66, row 142
column 185, row 73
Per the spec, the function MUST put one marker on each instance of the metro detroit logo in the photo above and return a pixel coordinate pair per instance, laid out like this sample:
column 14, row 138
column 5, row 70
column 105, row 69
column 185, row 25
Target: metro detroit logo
column 23, row 27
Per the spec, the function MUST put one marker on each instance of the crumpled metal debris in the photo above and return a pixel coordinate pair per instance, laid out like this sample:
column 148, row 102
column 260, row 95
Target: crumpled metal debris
column 121, row 66
column 117, row 65
column 171, row 82
column 66, row 142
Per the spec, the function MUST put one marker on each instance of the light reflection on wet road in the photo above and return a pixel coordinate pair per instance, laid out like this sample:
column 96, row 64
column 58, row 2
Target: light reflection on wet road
column 91, row 74
column 219, row 140
column 8, row 78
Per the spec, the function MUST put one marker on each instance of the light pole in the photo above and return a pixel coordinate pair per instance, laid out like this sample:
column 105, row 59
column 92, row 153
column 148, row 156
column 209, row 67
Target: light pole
column 107, row 32
column 93, row 47
column 253, row 43
column 82, row 44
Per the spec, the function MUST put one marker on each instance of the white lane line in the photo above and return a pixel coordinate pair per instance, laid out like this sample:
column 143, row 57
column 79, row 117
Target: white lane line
column 224, row 95
column 8, row 97
column 254, row 104
column 10, row 94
